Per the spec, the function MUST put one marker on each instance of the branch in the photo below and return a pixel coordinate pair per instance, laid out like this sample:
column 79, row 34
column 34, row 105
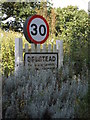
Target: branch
column 5, row 18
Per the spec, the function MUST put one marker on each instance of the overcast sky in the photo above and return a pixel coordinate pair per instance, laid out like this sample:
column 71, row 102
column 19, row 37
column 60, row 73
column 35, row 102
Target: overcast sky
column 82, row 4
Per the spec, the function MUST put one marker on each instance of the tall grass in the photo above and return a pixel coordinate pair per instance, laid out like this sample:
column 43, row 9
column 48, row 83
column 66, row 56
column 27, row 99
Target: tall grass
column 42, row 94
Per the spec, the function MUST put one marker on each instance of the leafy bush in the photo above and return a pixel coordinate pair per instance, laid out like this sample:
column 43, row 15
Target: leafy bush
column 41, row 94
column 7, row 55
column 82, row 110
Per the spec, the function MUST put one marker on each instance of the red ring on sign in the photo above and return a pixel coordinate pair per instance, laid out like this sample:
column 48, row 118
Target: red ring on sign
column 33, row 17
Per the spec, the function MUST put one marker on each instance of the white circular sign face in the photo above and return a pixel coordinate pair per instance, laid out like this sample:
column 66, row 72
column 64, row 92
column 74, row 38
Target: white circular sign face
column 38, row 29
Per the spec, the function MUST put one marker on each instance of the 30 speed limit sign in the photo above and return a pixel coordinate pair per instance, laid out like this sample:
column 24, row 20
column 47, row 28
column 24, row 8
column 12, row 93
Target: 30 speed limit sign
column 37, row 29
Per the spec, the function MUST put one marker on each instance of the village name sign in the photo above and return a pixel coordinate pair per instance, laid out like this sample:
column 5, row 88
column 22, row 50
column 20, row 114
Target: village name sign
column 42, row 60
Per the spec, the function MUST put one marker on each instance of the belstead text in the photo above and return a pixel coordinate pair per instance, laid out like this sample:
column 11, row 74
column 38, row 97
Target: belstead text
column 41, row 58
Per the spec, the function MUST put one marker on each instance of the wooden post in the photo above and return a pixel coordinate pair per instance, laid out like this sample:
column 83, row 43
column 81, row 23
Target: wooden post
column 32, row 47
column 26, row 47
column 18, row 55
column 54, row 48
column 49, row 48
column 38, row 48
column 44, row 48
column 59, row 47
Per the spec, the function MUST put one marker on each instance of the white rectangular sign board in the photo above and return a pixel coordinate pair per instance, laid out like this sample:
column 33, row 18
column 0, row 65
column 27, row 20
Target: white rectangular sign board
column 41, row 60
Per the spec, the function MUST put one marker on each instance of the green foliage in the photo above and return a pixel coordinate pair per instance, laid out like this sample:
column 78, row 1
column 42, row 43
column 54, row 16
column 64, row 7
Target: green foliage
column 82, row 110
column 72, row 28
column 7, row 50
column 20, row 11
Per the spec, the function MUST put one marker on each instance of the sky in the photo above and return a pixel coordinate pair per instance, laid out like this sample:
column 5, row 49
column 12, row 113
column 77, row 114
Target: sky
column 82, row 4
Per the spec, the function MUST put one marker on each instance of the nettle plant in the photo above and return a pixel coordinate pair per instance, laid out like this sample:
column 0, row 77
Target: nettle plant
column 41, row 94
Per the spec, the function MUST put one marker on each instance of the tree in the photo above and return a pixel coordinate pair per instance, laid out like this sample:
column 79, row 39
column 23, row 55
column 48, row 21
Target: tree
column 19, row 11
column 72, row 28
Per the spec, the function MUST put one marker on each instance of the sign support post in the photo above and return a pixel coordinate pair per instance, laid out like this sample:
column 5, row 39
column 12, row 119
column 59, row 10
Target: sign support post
column 18, row 55
column 59, row 44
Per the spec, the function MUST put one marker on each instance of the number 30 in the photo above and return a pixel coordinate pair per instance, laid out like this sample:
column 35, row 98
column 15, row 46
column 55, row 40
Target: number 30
column 34, row 32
